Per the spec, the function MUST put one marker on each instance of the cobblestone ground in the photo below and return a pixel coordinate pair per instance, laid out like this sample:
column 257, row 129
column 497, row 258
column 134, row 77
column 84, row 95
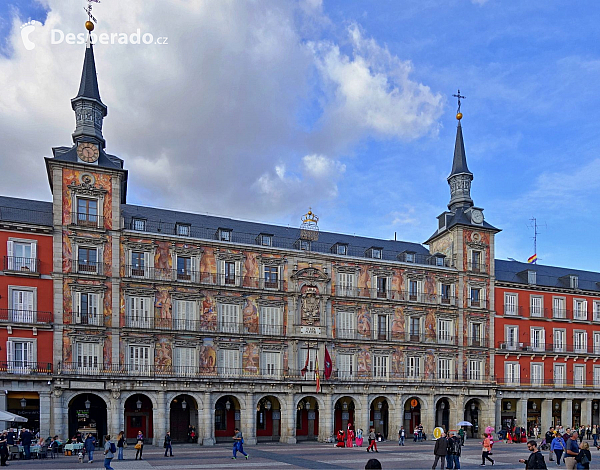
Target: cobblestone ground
column 417, row 456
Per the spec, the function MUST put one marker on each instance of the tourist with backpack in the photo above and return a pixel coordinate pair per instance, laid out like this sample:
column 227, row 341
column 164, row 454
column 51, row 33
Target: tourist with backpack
column 453, row 453
column 109, row 452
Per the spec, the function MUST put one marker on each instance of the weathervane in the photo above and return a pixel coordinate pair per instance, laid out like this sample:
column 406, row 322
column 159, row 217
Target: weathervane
column 458, row 96
column 88, row 24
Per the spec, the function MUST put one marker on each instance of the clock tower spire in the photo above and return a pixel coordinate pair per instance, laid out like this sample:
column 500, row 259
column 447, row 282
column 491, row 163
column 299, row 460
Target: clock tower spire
column 460, row 177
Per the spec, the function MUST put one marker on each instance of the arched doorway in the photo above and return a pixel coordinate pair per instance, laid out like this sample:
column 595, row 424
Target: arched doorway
column 412, row 414
column 556, row 412
column 576, row 415
column 87, row 414
column 307, row 419
column 268, row 420
column 184, row 413
column 379, row 416
column 344, row 413
column 442, row 414
column 534, row 415
column 139, row 417
column 227, row 417
column 472, row 411
column 509, row 414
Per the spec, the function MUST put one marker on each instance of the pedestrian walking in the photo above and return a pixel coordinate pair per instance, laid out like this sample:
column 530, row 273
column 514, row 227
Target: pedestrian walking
column 581, row 434
column 588, row 432
column 595, row 435
column 139, row 445
column 549, row 437
column 90, row 445
column 238, row 444
column 461, row 434
column 584, row 457
column 572, row 451
column 557, row 447
column 536, row 432
column 3, row 449
column 120, row 445
column 167, row 444
column 26, row 438
column 440, row 450
column 536, row 459
column 401, row 436
column 485, row 451
column 109, row 452
column 372, row 441
column 454, row 450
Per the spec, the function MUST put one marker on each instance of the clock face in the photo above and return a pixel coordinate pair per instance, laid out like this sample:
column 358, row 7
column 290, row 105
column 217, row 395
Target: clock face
column 476, row 217
column 88, row 152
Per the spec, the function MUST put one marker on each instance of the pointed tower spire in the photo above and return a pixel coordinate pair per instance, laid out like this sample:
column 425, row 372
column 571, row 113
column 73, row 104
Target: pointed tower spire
column 460, row 178
column 89, row 108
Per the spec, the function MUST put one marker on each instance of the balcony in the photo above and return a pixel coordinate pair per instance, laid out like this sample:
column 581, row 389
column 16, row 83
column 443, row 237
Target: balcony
column 25, row 368
column 94, row 268
column 18, row 265
column 477, row 303
column 527, row 347
column 82, row 219
column 13, row 315
column 477, row 342
column 83, row 318
column 513, row 310
column 478, row 268
column 549, row 382
column 202, row 326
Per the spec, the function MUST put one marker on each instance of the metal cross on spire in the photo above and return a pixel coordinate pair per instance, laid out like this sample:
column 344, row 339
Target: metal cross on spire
column 88, row 10
column 458, row 96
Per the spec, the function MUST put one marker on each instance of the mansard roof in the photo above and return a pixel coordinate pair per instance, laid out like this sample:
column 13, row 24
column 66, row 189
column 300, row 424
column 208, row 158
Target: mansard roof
column 25, row 211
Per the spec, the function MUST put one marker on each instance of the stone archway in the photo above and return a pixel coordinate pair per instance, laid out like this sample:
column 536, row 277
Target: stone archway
column 227, row 417
column 307, row 419
column 379, row 416
column 473, row 412
column 268, row 419
column 88, row 414
column 442, row 414
column 183, row 415
column 344, row 409
column 412, row 413
column 139, row 416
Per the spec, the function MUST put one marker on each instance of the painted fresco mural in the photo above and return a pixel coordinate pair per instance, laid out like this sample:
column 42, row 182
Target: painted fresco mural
column 250, row 358
column 430, row 325
column 250, row 315
column 208, row 265
column 163, row 307
column 163, row 353
column 363, row 322
column 163, row 261
column 363, row 362
column 208, row 313
column 208, row 357
column 74, row 177
column 398, row 324
column 251, row 272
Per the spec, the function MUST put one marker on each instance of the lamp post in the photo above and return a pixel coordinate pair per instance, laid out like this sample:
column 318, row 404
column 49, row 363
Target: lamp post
column 23, row 402
column 184, row 404
column 88, row 404
column 227, row 405
column 379, row 405
column 442, row 406
column 138, row 404
column 268, row 405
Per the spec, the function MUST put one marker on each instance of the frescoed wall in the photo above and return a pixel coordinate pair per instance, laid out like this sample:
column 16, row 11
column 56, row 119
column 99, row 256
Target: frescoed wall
column 398, row 324
column 208, row 266
column 250, row 315
column 208, row 313
column 251, row 358
column 251, row 270
column 208, row 357
column 101, row 181
column 164, row 353
column 163, row 307
column 363, row 322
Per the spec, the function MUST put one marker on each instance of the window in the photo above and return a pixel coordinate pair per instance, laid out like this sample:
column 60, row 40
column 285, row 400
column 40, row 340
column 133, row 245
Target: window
column 346, row 284
column 87, row 260
column 345, row 325
column 87, row 212
column 87, row 309
column 383, row 285
column 341, row 249
column 579, row 309
column 476, row 334
column 139, row 361
column 439, row 261
column 559, row 374
column 475, row 299
column 270, row 321
column 596, row 342
column 531, row 278
column 574, row 282
column 141, row 313
column 559, row 307
column 410, row 257
column 537, row 373
column 597, row 310
column 512, row 337
column 229, row 318
column 510, row 303
column 476, row 261
column 380, row 327
column 22, row 308
column 536, row 306
column 345, row 366
column 185, row 315
column 376, row 253
column 183, row 230
column 537, row 339
column 512, row 372
column 230, row 272
column 138, row 224
column 580, row 341
column 445, row 331
column 312, row 355
column 560, row 336
column 444, row 368
column 186, row 364
column 186, row 268
column 271, row 364
column 475, row 367
column 446, row 290
column 265, row 240
column 596, row 375
column 413, row 367
column 21, row 256
column 579, row 374
column 271, row 277
column 139, row 264
column 304, row 245
column 20, row 356
column 229, row 362
column 224, row 235
column 88, row 357
column 380, row 367
column 415, row 328
column 414, row 290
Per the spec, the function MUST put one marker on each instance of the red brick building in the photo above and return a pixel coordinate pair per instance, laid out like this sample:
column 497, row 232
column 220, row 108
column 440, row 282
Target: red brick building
column 547, row 335
column 26, row 322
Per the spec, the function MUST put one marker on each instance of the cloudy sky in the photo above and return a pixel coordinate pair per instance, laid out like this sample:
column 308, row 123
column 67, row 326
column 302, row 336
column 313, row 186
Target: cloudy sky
column 259, row 109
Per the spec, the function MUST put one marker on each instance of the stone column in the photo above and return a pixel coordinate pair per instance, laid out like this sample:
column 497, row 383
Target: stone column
column 248, row 420
column 586, row 412
column 58, row 414
column 498, row 417
column 3, row 400
column 208, row 415
column 326, row 418
column 521, row 412
column 159, row 418
column 288, row 419
column 362, row 413
column 428, row 413
column 566, row 413
column 44, row 413
column 115, row 413
column 546, row 415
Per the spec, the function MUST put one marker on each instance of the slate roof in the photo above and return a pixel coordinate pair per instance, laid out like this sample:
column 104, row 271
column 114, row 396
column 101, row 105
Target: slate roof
column 105, row 160
column 460, row 218
column 25, row 211
column 459, row 162
column 548, row 276
column 88, row 86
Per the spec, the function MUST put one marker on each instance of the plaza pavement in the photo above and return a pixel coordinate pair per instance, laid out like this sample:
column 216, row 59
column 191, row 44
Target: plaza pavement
column 413, row 456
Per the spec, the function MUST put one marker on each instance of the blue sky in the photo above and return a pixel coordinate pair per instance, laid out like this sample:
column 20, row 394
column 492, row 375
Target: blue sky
column 259, row 109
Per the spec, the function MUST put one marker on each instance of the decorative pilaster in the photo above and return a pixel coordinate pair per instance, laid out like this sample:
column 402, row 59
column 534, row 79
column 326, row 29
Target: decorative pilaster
column 546, row 415
column 249, row 420
column 566, row 413
column 208, row 439
column 498, row 417
column 58, row 414
column 45, row 409
column 114, row 419
column 521, row 412
column 159, row 418
column 586, row 412
column 326, row 423
column 288, row 420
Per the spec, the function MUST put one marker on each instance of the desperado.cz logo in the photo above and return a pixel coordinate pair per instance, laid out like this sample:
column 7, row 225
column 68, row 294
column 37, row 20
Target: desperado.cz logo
column 26, row 30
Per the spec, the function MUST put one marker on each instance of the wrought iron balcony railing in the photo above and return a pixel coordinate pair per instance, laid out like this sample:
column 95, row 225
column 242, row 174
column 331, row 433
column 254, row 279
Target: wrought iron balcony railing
column 583, row 347
column 14, row 315
column 25, row 368
column 82, row 219
column 516, row 382
column 87, row 267
column 84, row 318
column 22, row 265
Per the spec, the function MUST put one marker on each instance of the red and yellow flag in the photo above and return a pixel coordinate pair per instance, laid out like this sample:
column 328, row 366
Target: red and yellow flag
column 317, row 374
column 532, row 259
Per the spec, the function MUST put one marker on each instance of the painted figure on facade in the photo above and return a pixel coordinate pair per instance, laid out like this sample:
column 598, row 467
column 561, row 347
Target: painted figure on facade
column 398, row 324
column 163, row 304
column 208, row 266
column 208, row 359
column 363, row 322
column 250, row 270
column 250, row 315
column 250, row 358
column 163, row 354
column 310, row 306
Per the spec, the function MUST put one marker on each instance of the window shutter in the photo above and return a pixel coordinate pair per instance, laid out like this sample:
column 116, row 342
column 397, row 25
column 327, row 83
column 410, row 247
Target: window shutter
column 76, row 307
column 10, row 350
column 93, row 309
column 10, row 250
column 375, row 326
column 29, row 313
column 221, row 271
column 194, row 268
column 33, row 263
column 146, row 264
column 238, row 273
column 28, row 361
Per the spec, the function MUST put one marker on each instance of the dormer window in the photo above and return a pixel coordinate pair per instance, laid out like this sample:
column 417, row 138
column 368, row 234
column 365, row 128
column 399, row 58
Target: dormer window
column 183, row 230
column 439, row 261
column 340, row 249
column 531, row 278
column 407, row 256
column 574, row 282
column 375, row 253
column 224, row 234
column 304, row 245
column 265, row 239
column 138, row 224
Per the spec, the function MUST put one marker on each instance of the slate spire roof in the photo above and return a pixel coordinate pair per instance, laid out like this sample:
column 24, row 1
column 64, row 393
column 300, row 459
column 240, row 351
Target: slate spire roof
column 459, row 163
column 88, row 87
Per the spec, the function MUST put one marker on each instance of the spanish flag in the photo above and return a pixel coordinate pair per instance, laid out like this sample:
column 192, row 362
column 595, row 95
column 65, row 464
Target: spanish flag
column 318, row 390
column 532, row 259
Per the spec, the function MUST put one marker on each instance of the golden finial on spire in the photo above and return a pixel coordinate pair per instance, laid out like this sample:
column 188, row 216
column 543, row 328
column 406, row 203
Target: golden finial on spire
column 89, row 24
column 309, row 230
column 458, row 113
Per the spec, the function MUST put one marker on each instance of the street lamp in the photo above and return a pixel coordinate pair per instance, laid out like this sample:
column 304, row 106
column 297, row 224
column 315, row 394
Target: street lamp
column 23, row 402
column 228, row 405
column 379, row 405
column 442, row 405
column 345, row 405
column 534, row 406
column 508, row 406
column 307, row 406
column 268, row 405
column 556, row 406
column 184, row 404
column 472, row 406
column 138, row 404
column 88, row 404
column 595, row 405
column 576, row 406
